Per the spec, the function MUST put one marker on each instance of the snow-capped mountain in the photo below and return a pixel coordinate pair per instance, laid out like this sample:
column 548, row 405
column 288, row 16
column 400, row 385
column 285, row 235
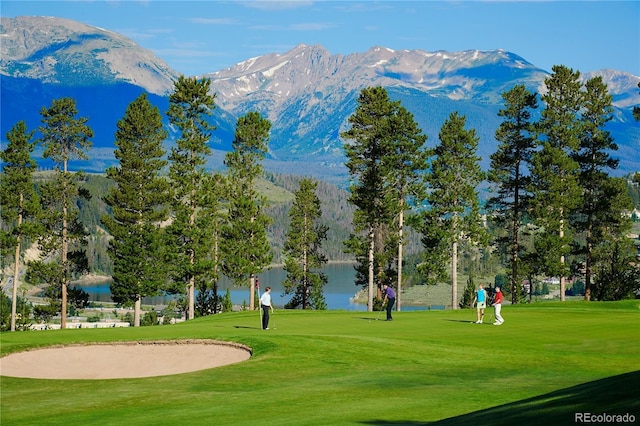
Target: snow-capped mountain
column 307, row 93
column 65, row 52
column 455, row 75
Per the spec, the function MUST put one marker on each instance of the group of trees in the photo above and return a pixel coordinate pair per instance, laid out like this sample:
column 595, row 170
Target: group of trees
column 174, row 227
column 553, row 195
column 394, row 172
column 48, row 215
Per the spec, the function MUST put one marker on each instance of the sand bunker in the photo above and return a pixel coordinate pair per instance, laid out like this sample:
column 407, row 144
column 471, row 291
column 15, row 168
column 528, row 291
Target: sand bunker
column 122, row 359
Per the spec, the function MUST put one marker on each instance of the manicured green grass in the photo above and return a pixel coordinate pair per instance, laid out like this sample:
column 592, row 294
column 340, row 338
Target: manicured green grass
column 547, row 362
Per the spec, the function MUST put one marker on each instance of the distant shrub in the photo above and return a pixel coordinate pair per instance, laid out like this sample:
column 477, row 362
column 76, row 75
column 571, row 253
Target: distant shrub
column 149, row 318
column 128, row 317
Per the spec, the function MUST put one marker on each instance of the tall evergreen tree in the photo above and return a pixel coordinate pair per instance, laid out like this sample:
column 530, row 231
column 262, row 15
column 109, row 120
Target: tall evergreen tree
column 404, row 162
column 213, row 217
column 139, row 204
column 19, row 201
column 245, row 247
column 508, row 172
column 190, row 105
column 598, row 209
column 453, row 207
column 615, row 267
column 369, row 138
column 302, row 255
column 555, row 183
column 65, row 137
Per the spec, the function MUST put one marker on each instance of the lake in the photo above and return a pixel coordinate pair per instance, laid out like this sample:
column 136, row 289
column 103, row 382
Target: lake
column 339, row 288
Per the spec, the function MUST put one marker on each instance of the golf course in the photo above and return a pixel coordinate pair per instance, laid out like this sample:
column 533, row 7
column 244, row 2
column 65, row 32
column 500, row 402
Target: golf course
column 546, row 363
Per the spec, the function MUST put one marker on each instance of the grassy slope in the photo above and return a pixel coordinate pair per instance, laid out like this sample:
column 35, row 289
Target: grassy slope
column 545, row 363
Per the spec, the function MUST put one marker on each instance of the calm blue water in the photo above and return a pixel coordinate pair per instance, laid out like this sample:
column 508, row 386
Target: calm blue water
column 340, row 287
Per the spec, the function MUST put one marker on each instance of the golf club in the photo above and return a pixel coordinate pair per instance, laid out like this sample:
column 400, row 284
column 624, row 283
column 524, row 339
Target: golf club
column 376, row 316
column 380, row 313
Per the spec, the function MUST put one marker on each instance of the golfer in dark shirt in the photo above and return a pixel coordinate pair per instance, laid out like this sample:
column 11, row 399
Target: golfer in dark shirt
column 389, row 299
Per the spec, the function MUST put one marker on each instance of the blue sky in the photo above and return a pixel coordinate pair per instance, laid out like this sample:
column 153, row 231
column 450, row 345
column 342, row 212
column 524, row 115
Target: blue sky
column 196, row 37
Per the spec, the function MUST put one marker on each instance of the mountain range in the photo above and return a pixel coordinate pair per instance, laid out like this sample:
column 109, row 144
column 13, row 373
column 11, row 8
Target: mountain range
column 307, row 93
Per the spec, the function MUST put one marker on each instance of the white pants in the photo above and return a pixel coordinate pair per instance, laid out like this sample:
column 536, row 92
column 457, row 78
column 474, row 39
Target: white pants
column 497, row 308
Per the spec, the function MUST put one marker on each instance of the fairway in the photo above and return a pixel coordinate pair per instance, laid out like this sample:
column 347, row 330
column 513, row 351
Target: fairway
column 548, row 362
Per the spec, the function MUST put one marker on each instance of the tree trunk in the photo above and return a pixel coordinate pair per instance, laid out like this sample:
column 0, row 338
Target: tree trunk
column 16, row 268
column 252, row 293
column 562, row 282
column 215, row 271
column 588, row 261
column 305, row 282
column 454, row 275
column 371, row 247
column 252, row 281
column 191, row 291
column 65, row 267
column 400, row 225
column 514, row 236
column 514, row 258
column 191, row 285
column 136, row 312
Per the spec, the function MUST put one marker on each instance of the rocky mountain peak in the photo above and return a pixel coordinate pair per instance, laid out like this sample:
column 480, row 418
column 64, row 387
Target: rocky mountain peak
column 57, row 50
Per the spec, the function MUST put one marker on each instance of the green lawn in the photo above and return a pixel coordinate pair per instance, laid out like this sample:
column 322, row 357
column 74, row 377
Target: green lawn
column 547, row 362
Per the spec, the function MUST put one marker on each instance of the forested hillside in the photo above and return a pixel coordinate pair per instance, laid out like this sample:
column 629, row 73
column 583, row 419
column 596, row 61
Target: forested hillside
column 337, row 215
column 278, row 188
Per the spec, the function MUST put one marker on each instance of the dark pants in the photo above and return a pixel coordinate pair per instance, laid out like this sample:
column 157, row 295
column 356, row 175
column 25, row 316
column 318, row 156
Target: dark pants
column 390, row 303
column 265, row 316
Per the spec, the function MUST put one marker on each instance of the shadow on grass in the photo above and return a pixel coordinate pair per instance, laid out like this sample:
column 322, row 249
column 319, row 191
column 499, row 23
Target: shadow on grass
column 462, row 321
column 616, row 395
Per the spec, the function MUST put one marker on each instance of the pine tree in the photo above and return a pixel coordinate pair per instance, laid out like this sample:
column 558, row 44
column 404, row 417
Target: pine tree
column 19, row 201
column 139, row 205
column 454, row 212
column 509, row 164
column 615, row 267
column 469, row 293
column 302, row 256
column 600, row 209
column 369, row 138
column 245, row 248
column 212, row 217
column 64, row 137
column 404, row 161
column 554, row 172
column 190, row 105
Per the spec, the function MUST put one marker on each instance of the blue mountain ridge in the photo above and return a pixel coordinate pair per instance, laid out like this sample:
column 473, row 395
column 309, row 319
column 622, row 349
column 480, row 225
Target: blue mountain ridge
column 321, row 92
column 103, row 105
